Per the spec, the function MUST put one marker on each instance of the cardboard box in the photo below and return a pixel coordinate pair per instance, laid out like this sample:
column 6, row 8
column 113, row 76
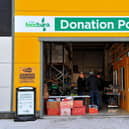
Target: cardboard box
column 65, row 111
column 79, row 111
column 75, row 77
column 113, row 110
column 66, row 104
column 46, row 95
column 57, row 54
column 53, row 112
column 87, row 101
column 53, row 105
column 78, row 103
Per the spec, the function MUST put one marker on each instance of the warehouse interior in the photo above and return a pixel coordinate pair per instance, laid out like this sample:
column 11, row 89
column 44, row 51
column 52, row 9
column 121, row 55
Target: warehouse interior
column 63, row 62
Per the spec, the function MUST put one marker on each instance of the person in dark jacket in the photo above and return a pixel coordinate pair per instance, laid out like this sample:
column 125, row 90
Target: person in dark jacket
column 81, row 84
column 93, row 84
column 101, row 87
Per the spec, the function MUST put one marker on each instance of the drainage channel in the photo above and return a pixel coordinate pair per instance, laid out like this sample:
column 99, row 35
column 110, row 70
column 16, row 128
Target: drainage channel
column 85, row 117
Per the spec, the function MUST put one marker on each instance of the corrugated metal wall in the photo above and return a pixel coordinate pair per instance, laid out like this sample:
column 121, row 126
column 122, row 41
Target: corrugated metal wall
column 88, row 60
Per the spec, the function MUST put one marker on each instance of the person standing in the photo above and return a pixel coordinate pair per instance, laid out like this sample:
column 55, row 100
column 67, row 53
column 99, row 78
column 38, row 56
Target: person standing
column 93, row 84
column 81, row 84
column 101, row 87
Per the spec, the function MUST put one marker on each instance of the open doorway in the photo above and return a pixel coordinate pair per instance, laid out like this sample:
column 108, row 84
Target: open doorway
column 64, row 61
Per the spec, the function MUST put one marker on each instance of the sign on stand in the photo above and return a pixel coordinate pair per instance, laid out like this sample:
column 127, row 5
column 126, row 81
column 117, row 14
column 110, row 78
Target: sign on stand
column 25, row 104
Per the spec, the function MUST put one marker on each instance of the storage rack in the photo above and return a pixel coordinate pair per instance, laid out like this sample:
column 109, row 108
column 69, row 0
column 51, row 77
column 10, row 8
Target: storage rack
column 59, row 70
column 115, row 96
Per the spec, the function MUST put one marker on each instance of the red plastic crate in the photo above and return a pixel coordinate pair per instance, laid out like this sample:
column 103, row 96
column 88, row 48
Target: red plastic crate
column 93, row 110
column 79, row 111
column 53, row 112
column 78, row 103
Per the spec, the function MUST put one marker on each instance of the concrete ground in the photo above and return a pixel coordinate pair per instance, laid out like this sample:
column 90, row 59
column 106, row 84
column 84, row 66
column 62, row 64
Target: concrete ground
column 69, row 123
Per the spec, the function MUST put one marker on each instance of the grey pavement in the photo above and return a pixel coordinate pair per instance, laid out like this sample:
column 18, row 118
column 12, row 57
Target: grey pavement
column 68, row 123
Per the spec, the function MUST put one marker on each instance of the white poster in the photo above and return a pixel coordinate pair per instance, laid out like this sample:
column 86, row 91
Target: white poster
column 25, row 103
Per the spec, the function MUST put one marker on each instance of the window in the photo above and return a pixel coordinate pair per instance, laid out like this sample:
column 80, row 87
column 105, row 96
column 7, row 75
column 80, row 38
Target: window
column 5, row 17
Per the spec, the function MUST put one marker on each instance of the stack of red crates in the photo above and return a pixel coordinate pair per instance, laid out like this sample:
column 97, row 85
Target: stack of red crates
column 78, row 108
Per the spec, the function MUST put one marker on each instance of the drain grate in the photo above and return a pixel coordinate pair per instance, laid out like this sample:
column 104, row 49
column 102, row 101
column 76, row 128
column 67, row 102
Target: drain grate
column 19, row 127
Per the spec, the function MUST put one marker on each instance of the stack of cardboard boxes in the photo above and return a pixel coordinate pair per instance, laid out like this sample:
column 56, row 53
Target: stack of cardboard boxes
column 64, row 108
column 67, row 107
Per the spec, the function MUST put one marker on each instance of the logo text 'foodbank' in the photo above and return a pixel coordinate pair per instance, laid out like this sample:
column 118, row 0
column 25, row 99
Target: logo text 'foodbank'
column 92, row 24
column 41, row 24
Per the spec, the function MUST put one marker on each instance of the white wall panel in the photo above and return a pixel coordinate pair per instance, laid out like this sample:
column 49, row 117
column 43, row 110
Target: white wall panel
column 5, row 75
column 5, row 99
column 5, row 49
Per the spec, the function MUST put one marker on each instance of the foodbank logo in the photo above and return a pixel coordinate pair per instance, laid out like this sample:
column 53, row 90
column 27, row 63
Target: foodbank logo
column 41, row 24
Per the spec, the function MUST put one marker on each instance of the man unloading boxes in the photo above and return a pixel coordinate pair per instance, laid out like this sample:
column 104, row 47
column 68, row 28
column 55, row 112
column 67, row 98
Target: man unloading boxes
column 93, row 84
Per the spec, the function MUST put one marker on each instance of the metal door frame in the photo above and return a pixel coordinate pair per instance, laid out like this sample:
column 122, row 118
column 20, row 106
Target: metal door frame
column 69, row 39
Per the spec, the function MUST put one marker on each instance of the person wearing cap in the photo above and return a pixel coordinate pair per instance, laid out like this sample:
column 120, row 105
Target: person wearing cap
column 81, row 84
column 93, row 85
